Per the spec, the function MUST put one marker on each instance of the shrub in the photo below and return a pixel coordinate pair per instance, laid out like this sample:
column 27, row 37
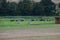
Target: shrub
column 32, row 20
column 12, row 20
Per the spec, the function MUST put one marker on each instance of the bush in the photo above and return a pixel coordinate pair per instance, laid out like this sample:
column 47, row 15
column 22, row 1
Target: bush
column 12, row 20
column 22, row 20
column 32, row 20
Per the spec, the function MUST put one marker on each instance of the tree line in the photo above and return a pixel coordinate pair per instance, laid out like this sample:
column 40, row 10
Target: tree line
column 28, row 8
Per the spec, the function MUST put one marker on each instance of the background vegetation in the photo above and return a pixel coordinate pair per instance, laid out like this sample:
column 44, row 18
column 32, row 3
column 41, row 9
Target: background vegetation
column 28, row 8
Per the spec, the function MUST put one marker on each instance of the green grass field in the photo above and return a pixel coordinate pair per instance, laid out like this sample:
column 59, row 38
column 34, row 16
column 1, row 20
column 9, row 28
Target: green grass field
column 6, row 23
column 25, row 24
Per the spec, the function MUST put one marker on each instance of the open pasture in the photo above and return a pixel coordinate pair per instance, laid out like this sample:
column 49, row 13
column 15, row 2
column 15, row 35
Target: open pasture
column 17, row 22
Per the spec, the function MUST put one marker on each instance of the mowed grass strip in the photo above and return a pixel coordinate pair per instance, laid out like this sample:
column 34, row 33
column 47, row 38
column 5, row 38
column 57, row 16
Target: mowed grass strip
column 6, row 24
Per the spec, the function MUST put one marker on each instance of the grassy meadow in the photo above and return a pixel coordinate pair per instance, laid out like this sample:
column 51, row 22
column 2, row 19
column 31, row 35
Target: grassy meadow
column 26, row 22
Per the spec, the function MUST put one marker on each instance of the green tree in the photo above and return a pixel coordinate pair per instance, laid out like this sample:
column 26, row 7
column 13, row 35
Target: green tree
column 58, row 10
column 20, row 8
column 27, row 7
column 12, row 9
column 3, row 7
column 36, row 9
column 48, row 7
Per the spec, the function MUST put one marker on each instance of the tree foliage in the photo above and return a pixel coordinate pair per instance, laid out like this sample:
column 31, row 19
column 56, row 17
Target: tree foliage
column 28, row 8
